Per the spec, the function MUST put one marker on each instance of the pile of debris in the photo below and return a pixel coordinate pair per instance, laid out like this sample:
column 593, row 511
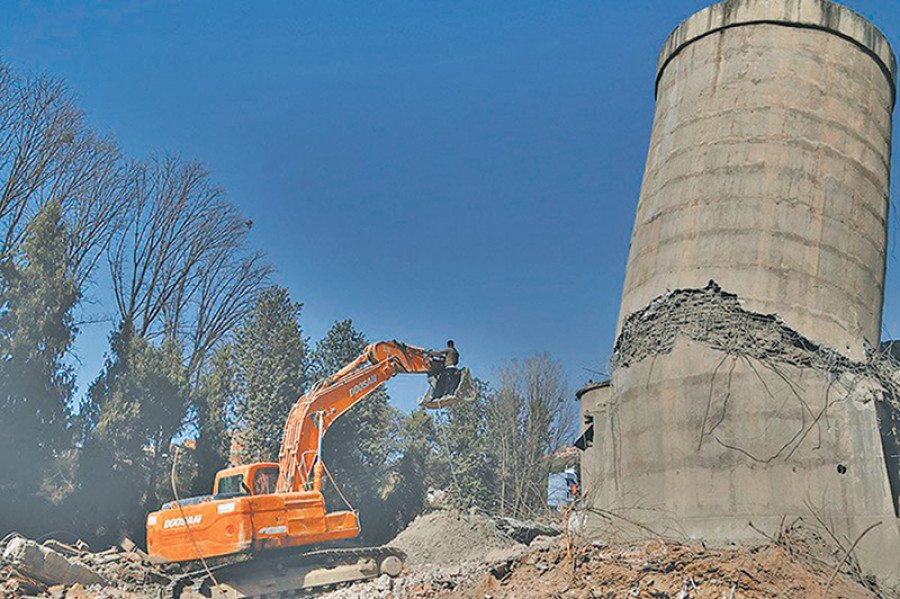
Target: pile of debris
column 449, row 552
column 58, row 570
column 552, row 567
column 455, row 555
column 421, row 582
column 665, row 570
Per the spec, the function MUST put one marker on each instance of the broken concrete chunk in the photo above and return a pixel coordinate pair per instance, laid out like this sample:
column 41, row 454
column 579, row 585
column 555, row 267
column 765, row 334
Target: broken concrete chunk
column 501, row 570
column 48, row 565
column 57, row 591
column 20, row 587
column 526, row 531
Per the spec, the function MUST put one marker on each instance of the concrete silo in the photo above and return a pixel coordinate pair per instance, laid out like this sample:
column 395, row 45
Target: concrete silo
column 744, row 385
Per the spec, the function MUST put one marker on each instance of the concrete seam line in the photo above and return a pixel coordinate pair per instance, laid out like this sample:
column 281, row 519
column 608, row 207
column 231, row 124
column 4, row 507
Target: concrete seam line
column 889, row 72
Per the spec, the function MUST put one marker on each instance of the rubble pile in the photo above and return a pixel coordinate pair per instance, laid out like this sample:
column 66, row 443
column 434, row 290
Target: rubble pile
column 449, row 552
column 659, row 569
column 664, row 570
column 421, row 582
column 59, row 570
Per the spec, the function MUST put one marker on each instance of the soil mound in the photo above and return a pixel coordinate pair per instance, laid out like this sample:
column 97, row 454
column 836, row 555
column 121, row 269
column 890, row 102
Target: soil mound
column 447, row 536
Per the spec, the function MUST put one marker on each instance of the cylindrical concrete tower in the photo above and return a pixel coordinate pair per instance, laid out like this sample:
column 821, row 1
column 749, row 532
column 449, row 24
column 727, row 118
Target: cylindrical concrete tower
column 767, row 174
column 769, row 165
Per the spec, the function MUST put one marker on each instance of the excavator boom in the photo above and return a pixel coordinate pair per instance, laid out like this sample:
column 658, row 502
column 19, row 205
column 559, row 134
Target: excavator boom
column 313, row 414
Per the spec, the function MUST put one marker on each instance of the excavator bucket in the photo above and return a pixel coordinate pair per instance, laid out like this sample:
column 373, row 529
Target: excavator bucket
column 448, row 388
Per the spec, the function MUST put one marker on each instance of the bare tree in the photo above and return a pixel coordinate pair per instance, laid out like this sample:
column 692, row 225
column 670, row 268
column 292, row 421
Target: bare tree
column 39, row 117
column 182, row 278
column 179, row 265
column 176, row 248
column 96, row 188
column 531, row 418
column 229, row 288
column 49, row 153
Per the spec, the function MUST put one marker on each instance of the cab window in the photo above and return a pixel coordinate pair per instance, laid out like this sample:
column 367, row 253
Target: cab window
column 264, row 481
column 231, row 485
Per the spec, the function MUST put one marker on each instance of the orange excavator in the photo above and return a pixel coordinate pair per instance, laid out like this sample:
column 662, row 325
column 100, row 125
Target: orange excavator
column 266, row 506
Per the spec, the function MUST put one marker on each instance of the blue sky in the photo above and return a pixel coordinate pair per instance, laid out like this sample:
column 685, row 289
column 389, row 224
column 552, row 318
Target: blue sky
column 431, row 170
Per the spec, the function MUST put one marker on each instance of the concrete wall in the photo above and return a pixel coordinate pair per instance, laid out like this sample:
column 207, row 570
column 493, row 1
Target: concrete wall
column 768, row 173
column 697, row 444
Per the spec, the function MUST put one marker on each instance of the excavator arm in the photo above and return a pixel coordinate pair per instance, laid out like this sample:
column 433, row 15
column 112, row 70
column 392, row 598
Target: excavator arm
column 300, row 463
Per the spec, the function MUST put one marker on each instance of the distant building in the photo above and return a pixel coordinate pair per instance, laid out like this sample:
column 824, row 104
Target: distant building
column 562, row 488
column 594, row 400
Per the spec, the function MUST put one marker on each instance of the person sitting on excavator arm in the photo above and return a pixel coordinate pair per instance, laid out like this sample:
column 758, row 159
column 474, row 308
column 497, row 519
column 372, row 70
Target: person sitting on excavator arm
column 447, row 373
column 449, row 353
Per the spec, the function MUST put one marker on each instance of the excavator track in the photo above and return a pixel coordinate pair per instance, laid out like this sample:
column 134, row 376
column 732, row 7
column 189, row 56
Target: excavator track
column 290, row 575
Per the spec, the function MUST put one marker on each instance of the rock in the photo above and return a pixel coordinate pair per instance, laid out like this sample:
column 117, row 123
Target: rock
column 383, row 583
column 544, row 542
column 499, row 571
column 48, row 565
column 57, row 591
column 17, row 587
column 76, row 590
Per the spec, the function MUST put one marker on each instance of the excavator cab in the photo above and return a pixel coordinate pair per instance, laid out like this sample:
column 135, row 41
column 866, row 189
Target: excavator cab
column 447, row 385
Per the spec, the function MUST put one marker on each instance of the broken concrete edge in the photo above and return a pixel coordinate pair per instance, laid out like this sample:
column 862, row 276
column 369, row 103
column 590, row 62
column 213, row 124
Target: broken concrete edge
column 590, row 386
column 60, row 547
column 692, row 313
column 822, row 15
column 525, row 531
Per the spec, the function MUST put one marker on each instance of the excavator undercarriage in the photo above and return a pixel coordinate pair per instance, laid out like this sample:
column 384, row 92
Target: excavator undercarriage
column 290, row 575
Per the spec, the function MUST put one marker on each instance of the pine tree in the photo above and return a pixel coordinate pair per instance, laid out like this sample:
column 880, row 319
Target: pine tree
column 140, row 399
column 215, row 393
column 360, row 444
column 37, row 295
column 134, row 410
column 270, row 364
